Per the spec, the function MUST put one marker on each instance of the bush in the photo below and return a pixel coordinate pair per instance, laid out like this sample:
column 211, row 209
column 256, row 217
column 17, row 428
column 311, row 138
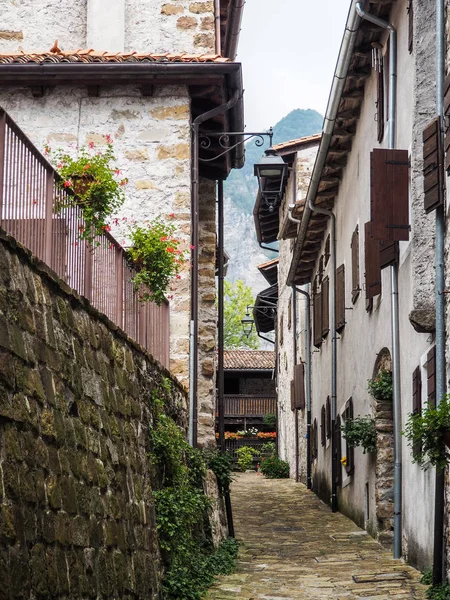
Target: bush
column 221, row 464
column 380, row 387
column 361, row 432
column 268, row 449
column 245, row 456
column 273, row 467
column 270, row 422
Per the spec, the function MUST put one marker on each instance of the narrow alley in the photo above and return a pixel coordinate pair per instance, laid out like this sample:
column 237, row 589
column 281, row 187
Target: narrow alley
column 293, row 548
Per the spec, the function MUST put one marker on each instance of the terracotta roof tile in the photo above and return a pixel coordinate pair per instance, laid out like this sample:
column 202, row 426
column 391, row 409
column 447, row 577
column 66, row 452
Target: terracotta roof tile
column 92, row 56
column 298, row 142
column 249, row 359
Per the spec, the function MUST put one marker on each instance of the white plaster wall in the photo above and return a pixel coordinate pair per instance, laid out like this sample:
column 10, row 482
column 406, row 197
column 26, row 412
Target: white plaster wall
column 286, row 417
column 150, row 26
column 152, row 146
column 366, row 334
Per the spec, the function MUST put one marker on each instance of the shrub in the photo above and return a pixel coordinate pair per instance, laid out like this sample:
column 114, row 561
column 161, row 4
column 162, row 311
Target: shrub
column 360, row 432
column 245, row 456
column 221, row 465
column 270, row 422
column 380, row 387
column 269, row 449
column 273, row 467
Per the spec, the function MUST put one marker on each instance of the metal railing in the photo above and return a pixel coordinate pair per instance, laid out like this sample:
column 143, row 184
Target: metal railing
column 232, row 445
column 249, row 405
column 98, row 270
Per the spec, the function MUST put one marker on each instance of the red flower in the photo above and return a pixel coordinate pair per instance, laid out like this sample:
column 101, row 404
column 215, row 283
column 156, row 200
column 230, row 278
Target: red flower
column 109, row 139
column 164, row 238
column 172, row 216
column 67, row 183
column 192, row 247
column 178, row 276
column 170, row 249
column 86, row 167
column 117, row 171
column 106, row 228
column 91, row 145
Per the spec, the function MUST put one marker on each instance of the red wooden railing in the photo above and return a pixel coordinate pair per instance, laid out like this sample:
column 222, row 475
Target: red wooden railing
column 100, row 271
column 249, row 405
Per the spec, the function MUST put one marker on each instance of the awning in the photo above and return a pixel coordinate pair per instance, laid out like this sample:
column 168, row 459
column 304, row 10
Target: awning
column 265, row 309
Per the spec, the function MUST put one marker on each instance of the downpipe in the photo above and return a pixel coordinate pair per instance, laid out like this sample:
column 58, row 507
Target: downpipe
column 218, row 44
column 193, row 339
column 439, row 499
column 395, row 320
column 294, row 335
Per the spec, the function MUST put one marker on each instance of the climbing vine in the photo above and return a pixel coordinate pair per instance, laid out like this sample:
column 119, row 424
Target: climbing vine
column 190, row 560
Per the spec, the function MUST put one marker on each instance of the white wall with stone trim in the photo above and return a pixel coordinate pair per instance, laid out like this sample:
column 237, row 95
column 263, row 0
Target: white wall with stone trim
column 144, row 26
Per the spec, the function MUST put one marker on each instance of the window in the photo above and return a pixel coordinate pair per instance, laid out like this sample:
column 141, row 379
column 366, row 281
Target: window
column 320, row 270
column 431, row 376
column 323, row 435
column 325, row 307
column 338, row 439
column 349, row 450
column 299, row 384
column 355, row 265
column 380, row 101
column 328, row 417
column 433, row 166
column 327, row 250
column 340, row 298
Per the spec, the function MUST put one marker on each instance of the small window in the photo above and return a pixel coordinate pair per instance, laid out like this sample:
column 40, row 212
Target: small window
column 340, row 298
column 320, row 270
column 327, row 250
column 431, row 376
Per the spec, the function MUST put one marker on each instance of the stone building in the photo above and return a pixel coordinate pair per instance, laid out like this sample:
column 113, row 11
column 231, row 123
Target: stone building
column 141, row 72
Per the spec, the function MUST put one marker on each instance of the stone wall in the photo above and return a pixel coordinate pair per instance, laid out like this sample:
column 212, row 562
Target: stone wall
column 150, row 26
column 76, row 511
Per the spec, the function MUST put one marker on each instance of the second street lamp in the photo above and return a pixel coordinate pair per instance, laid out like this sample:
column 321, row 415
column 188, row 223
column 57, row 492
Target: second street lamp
column 271, row 172
column 247, row 324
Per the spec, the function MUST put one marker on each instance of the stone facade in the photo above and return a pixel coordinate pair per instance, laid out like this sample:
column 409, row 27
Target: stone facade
column 76, row 509
column 155, row 26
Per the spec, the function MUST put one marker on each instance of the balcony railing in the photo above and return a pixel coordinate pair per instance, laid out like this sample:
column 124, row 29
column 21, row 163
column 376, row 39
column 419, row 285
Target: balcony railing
column 249, row 406
column 99, row 271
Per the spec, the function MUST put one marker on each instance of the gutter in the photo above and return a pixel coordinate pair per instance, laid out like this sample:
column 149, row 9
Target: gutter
column 193, row 330
column 218, row 43
column 233, row 29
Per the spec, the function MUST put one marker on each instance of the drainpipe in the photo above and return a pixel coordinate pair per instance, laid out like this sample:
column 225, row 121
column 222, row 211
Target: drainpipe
column 439, row 501
column 193, row 329
column 294, row 335
column 394, row 292
column 217, row 27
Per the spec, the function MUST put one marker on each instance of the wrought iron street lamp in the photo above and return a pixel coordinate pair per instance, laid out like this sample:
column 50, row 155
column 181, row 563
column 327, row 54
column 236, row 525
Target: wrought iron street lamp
column 271, row 172
column 247, row 324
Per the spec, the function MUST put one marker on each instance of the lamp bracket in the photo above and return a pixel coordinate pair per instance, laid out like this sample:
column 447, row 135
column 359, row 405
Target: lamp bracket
column 224, row 139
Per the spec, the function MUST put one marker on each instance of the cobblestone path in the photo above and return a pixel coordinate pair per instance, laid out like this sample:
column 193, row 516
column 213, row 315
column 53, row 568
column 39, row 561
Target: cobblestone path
column 293, row 547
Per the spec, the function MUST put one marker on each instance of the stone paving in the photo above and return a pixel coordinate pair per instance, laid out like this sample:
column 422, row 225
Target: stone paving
column 293, row 547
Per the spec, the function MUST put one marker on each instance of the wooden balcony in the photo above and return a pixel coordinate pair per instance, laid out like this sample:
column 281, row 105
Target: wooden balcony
column 247, row 410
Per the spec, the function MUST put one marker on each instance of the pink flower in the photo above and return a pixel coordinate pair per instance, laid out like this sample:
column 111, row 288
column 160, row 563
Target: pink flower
column 67, row 183
column 106, row 228
column 172, row 216
column 109, row 139
column 91, row 145
column 178, row 276
column 192, row 247
column 117, row 171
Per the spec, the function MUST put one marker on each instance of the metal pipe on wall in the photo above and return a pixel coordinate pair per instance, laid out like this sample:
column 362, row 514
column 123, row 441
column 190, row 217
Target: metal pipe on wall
column 294, row 335
column 220, row 382
column 193, row 342
column 439, row 500
column 395, row 318
column 218, row 44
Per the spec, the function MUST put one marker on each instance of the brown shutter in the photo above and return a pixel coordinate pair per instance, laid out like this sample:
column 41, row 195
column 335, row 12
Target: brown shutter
column 328, row 416
column 327, row 249
column 372, row 260
column 355, row 265
column 349, row 451
column 417, row 391
column 316, row 439
column 389, row 252
column 299, row 384
column 433, row 166
column 410, row 25
column 320, row 270
column 325, row 307
column 292, row 395
column 340, row 298
column 389, row 194
column 337, row 433
column 431, row 376
column 447, row 126
column 317, row 319
column 380, row 105
column 323, row 436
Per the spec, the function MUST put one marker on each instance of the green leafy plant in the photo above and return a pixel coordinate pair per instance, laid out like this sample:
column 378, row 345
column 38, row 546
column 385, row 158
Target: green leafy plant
column 237, row 296
column 425, row 434
column 221, row 464
column 440, row 591
column 95, row 184
column 268, row 449
column 270, row 422
column 360, row 432
column 245, row 456
column 273, row 467
column 158, row 258
column 380, row 387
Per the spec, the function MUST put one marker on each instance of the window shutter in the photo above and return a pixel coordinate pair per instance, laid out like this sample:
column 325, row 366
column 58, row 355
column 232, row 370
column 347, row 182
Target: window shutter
column 447, row 115
column 372, row 260
column 417, row 402
column 323, row 437
column 410, row 25
column 389, row 253
column 317, row 319
column 433, row 166
column 299, row 384
column 292, row 395
column 355, row 265
column 328, row 417
column 340, row 297
column 380, row 105
column 327, row 250
column 325, row 307
column 316, row 439
column 389, row 194
column 320, row 270
column 337, row 433
column 431, row 376
column 349, row 451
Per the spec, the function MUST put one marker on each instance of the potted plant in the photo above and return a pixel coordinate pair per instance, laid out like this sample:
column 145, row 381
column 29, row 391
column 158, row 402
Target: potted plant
column 428, row 434
column 380, row 387
column 94, row 184
column 156, row 253
column 360, row 432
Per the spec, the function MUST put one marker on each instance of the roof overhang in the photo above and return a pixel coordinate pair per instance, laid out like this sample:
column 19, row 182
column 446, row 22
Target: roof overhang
column 269, row 270
column 264, row 311
column 211, row 84
column 327, row 175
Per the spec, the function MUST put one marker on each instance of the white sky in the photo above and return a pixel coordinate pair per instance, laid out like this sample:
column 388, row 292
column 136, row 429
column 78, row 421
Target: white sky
column 288, row 50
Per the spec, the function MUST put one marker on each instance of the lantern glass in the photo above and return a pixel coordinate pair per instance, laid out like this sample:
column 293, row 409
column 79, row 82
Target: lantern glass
column 247, row 324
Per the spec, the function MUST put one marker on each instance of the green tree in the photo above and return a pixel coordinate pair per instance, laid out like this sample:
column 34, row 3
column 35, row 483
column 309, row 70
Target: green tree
column 237, row 296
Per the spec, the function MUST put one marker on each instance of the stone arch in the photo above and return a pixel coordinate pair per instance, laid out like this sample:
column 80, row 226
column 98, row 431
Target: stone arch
column 384, row 462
